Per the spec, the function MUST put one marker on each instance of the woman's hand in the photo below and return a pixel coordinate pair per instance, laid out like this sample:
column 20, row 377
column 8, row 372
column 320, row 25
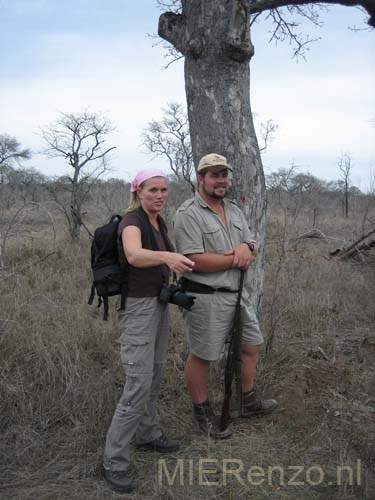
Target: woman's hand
column 143, row 258
column 178, row 263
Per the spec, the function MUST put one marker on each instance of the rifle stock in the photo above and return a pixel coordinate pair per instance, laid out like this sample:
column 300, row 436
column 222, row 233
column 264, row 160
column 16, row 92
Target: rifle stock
column 233, row 363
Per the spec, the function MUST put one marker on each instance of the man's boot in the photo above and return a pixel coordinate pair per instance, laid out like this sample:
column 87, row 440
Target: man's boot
column 207, row 421
column 251, row 405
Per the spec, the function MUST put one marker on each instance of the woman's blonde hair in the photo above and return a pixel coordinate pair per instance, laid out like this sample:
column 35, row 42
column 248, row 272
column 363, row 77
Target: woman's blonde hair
column 134, row 203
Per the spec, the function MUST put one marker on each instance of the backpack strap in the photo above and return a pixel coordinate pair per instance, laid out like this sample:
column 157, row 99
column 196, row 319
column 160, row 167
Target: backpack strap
column 92, row 294
column 123, row 297
column 164, row 234
column 105, row 304
column 147, row 228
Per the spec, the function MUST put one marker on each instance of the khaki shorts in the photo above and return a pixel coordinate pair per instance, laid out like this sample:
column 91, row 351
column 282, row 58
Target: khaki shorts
column 209, row 323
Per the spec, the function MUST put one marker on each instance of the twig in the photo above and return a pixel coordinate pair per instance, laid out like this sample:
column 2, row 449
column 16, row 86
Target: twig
column 37, row 261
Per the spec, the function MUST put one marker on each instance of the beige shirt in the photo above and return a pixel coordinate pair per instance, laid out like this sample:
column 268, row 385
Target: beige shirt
column 198, row 229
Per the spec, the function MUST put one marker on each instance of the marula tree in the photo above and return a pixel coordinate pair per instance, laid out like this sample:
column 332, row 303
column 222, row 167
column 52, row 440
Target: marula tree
column 214, row 38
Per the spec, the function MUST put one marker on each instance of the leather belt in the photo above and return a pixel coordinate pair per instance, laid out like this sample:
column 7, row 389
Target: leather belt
column 194, row 287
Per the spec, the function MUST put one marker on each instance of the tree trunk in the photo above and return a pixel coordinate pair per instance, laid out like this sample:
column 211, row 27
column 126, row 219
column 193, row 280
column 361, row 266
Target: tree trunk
column 75, row 215
column 346, row 201
column 214, row 37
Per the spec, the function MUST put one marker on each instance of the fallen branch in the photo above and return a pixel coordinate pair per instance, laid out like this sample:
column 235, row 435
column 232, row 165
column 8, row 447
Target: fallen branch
column 355, row 248
column 312, row 234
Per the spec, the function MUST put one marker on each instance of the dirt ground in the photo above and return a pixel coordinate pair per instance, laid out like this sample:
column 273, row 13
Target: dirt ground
column 320, row 444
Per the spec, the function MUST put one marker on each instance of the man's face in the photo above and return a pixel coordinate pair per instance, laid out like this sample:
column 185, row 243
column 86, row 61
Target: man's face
column 215, row 183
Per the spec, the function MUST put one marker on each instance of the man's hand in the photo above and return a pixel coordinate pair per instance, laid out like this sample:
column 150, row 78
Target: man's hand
column 242, row 256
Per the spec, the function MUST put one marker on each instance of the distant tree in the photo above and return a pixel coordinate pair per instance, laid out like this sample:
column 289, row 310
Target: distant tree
column 345, row 166
column 10, row 153
column 23, row 184
column 113, row 196
column 334, row 186
column 297, row 191
column 288, row 180
column 80, row 139
column 170, row 138
column 281, row 180
column 267, row 133
column 27, row 182
column 306, row 183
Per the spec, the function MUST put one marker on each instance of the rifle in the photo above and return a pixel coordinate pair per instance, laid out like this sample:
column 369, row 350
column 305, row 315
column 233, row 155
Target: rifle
column 233, row 363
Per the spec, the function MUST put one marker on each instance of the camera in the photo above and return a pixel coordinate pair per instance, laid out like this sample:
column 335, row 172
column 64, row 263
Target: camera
column 176, row 295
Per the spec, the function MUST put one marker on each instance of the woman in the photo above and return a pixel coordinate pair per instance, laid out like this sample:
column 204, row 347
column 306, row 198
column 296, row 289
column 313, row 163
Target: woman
column 144, row 327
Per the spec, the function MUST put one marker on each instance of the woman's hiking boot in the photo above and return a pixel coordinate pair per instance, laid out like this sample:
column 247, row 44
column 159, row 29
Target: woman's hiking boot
column 119, row 480
column 162, row 444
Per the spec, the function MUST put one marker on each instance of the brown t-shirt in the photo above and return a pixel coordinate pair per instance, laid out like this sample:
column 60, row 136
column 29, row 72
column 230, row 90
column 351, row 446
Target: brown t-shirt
column 147, row 281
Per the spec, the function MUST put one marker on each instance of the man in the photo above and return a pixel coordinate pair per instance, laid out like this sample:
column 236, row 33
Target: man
column 212, row 232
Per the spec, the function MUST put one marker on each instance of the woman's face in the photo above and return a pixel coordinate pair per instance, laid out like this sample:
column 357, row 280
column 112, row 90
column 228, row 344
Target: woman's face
column 153, row 194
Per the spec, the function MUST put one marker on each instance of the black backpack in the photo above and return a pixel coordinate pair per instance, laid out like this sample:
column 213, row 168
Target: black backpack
column 109, row 275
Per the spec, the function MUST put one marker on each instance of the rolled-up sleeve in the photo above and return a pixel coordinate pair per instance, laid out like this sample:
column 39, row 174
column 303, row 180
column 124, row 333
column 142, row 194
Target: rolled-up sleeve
column 187, row 234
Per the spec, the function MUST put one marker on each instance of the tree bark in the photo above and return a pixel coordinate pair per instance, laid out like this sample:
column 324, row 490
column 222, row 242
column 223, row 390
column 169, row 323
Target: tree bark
column 214, row 37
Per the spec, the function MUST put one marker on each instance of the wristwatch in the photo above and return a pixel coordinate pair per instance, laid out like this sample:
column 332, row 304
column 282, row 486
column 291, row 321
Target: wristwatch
column 251, row 246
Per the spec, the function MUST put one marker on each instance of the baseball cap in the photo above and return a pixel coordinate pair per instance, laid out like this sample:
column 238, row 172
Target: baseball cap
column 213, row 160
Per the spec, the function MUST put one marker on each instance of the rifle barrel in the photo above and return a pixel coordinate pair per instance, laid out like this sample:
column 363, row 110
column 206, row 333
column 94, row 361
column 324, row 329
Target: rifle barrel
column 233, row 364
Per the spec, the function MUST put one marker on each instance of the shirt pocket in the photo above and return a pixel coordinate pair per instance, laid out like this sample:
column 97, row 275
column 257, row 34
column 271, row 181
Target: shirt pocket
column 237, row 232
column 213, row 238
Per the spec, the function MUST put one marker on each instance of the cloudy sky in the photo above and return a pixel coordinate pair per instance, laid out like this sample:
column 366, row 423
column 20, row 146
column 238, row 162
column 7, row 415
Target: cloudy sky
column 72, row 55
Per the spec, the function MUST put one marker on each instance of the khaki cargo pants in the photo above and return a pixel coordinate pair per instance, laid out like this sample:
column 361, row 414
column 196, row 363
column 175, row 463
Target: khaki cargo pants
column 144, row 328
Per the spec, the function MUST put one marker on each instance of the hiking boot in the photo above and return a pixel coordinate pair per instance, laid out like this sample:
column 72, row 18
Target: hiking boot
column 207, row 421
column 119, row 480
column 162, row 444
column 251, row 405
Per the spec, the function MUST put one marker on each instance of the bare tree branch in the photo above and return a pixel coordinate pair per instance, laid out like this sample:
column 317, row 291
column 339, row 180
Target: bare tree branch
column 170, row 138
column 345, row 166
column 10, row 153
column 80, row 140
column 256, row 6
column 267, row 131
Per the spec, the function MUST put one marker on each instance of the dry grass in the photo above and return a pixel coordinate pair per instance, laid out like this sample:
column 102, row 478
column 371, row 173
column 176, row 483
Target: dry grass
column 60, row 379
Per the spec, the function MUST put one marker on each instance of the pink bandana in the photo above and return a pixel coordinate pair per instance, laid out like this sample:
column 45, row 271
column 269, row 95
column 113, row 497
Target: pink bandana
column 143, row 175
